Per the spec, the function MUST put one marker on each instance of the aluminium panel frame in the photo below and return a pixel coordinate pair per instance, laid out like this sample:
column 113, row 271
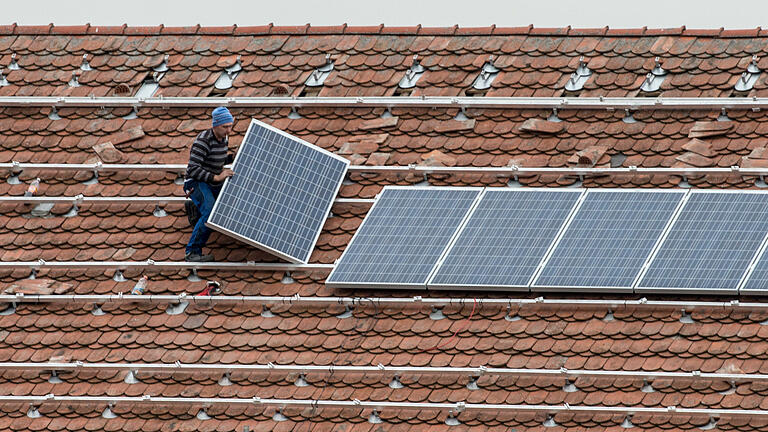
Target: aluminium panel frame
column 745, row 279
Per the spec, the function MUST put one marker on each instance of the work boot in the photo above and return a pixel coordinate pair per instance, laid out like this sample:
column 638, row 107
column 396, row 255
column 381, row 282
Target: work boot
column 196, row 257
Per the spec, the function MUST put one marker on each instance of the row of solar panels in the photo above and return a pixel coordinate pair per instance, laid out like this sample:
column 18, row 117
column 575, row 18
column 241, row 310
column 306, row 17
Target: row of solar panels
column 560, row 239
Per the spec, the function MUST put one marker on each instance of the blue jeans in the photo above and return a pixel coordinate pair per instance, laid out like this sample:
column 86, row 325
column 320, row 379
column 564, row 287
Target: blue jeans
column 204, row 196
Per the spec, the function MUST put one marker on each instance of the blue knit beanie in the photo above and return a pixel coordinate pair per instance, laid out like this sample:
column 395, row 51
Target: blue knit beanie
column 222, row 116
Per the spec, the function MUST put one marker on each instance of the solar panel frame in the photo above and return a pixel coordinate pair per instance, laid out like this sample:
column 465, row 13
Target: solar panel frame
column 537, row 286
column 388, row 285
column 294, row 259
column 432, row 284
column 743, row 288
column 694, row 290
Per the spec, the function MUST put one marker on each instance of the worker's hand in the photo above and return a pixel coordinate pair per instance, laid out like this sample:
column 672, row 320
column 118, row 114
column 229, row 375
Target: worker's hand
column 225, row 174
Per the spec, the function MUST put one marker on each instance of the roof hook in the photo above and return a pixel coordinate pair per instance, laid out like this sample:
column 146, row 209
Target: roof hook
column 74, row 82
column 553, row 117
column 13, row 65
column 685, row 317
column 287, row 278
column 159, row 211
column 748, row 79
column 179, row 307
column 85, row 66
column 711, row 425
column 346, row 314
column 487, row 75
column 132, row 115
column 294, row 114
column 462, row 115
column 489, row 68
column 235, row 69
column 723, row 115
column 416, row 66
column 193, row 277
column 107, row 413
column 374, row 417
column 654, row 78
column 579, row 78
column 412, row 74
column 225, row 380
column 279, row 416
column 628, row 117
column 162, row 67
column 582, row 69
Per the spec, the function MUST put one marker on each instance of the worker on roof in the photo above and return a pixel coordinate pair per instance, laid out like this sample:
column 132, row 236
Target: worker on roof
column 205, row 176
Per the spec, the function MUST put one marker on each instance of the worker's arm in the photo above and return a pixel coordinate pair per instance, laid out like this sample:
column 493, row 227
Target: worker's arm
column 225, row 173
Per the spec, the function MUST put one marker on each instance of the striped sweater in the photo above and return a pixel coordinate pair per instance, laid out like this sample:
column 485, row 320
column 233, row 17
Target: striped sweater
column 207, row 157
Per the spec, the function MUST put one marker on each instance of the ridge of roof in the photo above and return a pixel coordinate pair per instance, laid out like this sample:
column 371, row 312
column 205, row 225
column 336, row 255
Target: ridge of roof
column 308, row 29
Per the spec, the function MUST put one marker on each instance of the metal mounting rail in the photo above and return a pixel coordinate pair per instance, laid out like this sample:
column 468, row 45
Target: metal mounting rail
column 415, row 169
column 160, row 266
column 270, row 301
column 98, row 166
column 574, row 171
column 451, row 408
column 80, row 199
column 431, row 102
column 380, row 370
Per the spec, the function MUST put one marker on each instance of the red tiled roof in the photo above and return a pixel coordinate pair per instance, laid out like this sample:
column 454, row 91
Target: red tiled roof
column 368, row 61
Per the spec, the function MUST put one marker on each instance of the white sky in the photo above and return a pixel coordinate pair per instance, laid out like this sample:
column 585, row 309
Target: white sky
column 737, row 14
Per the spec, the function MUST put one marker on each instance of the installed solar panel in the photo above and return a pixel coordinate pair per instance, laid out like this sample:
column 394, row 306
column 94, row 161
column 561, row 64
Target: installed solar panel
column 400, row 241
column 608, row 240
column 281, row 193
column 756, row 281
column 711, row 243
column 505, row 239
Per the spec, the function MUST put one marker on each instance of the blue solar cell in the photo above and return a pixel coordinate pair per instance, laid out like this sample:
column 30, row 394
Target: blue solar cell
column 402, row 238
column 505, row 239
column 608, row 240
column 281, row 193
column 757, row 280
column 711, row 244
